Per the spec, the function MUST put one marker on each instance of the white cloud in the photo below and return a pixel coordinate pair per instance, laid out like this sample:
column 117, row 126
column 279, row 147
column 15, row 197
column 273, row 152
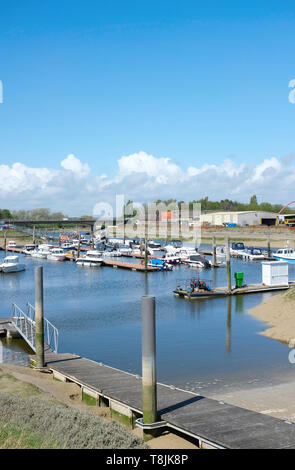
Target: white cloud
column 163, row 170
column 141, row 177
column 261, row 171
column 73, row 164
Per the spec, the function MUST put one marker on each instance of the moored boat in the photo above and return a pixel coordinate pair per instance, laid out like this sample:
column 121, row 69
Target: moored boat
column 160, row 264
column 252, row 254
column 92, row 258
column 171, row 258
column 11, row 264
column 236, row 248
column 56, row 254
column 42, row 251
column 285, row 254
column 199, row 261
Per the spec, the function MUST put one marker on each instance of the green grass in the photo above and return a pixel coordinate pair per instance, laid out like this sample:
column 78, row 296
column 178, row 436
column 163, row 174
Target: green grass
column 13, row 386
column 36, row 423
column 14, row 437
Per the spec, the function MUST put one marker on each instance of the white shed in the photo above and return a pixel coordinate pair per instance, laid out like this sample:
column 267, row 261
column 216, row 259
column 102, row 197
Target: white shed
column 275, row 273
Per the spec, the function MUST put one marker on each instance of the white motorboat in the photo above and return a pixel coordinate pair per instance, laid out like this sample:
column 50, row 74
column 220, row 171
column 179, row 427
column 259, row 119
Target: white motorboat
column 92, row 258
column 11, row 264
column 28, row 248
column 125, row 249
column 111, row 253
column 171, row 258
column 170, row 248
column 155, row 245
column 236, row 248
column 186, row 252
column 220, row 251
column 68, row 246
column 11, row 244
column 56, row 254
column 198, row 261
column 252, row 254
column 285, row 254
column 42, row 251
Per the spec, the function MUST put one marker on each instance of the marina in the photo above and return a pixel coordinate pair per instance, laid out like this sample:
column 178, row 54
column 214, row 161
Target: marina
column 118, row 317
column 107, row 332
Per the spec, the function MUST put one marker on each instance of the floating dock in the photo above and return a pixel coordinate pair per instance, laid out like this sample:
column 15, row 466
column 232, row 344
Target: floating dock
column 212, row 423
column 130, row 266
column 224, row 292
column 7, row 330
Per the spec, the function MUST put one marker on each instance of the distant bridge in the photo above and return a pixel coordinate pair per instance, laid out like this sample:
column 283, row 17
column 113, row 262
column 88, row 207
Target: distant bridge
column 51, row 222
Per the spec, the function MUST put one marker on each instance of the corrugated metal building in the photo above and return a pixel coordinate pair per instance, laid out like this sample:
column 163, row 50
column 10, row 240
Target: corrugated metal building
column 239, row 218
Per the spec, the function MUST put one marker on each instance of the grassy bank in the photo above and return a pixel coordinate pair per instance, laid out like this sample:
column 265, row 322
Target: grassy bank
column 31, row 419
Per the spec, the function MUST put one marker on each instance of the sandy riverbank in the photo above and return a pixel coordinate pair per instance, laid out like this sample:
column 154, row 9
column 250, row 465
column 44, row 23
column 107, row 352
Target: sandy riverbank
column 279, row 312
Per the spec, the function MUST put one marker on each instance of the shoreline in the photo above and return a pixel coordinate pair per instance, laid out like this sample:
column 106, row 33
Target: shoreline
column 279, row 313
column 26, row 381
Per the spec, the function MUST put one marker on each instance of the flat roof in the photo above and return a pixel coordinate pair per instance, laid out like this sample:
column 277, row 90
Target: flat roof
column 239, row 212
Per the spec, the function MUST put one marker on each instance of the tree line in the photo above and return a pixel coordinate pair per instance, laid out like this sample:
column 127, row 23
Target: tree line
column 229, row 205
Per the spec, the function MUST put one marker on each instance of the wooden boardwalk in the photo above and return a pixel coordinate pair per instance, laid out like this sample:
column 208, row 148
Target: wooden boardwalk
column 7, row 329
column 130, row 266
column 210, row 421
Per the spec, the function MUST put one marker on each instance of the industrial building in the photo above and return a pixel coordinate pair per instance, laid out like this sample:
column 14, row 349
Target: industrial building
column 287, row 219
column 242, row 218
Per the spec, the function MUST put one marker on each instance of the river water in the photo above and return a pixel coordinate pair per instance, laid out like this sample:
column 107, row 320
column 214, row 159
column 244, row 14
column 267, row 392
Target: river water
column 203, row 346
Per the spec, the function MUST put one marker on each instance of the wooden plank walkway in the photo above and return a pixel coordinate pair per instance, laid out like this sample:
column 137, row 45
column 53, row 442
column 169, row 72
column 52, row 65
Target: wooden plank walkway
column 7, row 328
column 130, row 266
column 218, row 423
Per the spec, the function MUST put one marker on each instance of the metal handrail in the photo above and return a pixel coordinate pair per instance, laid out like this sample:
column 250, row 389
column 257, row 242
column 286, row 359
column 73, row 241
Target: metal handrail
column 50, row 331
column 26, row 326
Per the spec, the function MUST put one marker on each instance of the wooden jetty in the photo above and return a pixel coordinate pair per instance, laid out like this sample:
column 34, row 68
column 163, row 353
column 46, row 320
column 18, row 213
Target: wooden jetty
column 130, row 266
column 7, row 329
column 211, row 423
column 224, row 291
column 14, row 250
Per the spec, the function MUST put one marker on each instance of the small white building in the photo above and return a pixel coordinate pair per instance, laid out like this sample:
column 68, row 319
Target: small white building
column 275, row 273
column 242, row 218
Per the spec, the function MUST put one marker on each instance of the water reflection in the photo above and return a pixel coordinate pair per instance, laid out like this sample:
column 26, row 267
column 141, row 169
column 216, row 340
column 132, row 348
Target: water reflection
column 239, row 303
column 14, row 351
column 228, row 324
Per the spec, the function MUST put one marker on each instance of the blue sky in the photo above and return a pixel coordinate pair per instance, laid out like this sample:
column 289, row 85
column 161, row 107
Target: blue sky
column 196, row 82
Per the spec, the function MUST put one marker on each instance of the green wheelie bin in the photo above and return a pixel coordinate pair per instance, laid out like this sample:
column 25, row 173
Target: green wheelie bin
column 239, row 277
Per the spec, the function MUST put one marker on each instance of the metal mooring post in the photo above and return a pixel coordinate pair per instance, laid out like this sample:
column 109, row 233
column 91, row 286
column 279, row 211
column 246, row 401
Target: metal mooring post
column 228, row 268
column 268, row 246
column 214, row 250
column 39, row 334
column 149, row 380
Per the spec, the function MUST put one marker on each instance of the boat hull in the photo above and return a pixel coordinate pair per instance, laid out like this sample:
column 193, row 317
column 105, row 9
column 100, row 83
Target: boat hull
column 56, row 258
column 283, row 258
column 90, row 264
column 12, row 268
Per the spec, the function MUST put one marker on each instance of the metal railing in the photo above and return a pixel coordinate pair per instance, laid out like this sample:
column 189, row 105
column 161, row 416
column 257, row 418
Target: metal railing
column 25, row 325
